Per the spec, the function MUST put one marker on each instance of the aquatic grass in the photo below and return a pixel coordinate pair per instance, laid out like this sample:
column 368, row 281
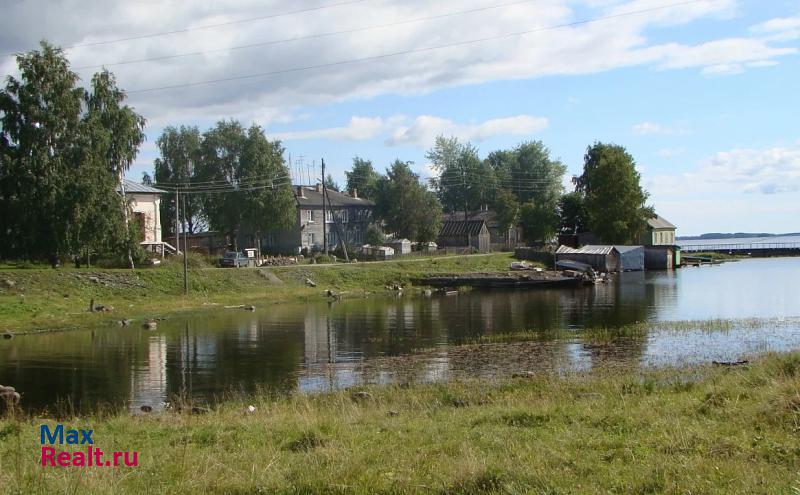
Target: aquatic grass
column 634, row 330
column 608, row 432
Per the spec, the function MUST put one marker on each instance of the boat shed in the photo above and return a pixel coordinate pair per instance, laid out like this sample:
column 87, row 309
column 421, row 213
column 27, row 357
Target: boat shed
column 605, row 258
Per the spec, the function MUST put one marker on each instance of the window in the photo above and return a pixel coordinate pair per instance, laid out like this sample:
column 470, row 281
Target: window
column 310, row 239
column 328, row 216
column 344, row 216
column 310, row 216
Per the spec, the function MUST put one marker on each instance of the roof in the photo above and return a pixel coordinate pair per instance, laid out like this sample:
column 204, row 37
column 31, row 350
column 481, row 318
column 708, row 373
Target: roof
column 658, row 222
column 460, row 227
column 488, row 216
column 596, row 249
column 313, row 198
column 135, row 187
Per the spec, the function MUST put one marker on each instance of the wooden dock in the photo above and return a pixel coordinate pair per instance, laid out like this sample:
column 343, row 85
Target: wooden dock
column 501, row 281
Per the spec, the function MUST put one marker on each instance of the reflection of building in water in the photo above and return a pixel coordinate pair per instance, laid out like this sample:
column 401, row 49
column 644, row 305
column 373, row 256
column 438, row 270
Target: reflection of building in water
column 322, row 369
column 149, row 380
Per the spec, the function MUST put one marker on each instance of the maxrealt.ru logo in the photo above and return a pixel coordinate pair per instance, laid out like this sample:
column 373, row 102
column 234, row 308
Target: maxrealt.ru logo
column 92, row 456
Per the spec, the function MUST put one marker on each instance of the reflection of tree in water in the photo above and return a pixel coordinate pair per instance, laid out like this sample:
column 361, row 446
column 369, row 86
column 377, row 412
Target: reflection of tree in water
column 206, row 363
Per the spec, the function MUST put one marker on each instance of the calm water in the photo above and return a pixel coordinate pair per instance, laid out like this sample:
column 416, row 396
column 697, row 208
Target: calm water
column 320, row 346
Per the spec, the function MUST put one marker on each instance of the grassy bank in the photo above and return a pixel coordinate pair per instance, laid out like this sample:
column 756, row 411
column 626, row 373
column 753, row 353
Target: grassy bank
column 43, row 298
column 691, row 430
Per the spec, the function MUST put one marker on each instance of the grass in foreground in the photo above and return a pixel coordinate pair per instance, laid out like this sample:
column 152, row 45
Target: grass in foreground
column 43, row 298
column 690, row 430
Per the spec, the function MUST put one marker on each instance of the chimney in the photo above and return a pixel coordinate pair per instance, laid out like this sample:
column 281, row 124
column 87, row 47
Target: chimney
column 354, row 193
column 319, row 188
column 300, row 192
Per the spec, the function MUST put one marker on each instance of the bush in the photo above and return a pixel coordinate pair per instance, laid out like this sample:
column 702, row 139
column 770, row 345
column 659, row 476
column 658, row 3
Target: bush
column 324, row 258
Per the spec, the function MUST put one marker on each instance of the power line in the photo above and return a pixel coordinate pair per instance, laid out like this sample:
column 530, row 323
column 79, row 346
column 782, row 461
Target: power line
column 413, row 50
column 207, row 26
column 306, row 37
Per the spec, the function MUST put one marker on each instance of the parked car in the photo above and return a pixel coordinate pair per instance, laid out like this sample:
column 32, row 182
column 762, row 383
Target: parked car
column 232, row 259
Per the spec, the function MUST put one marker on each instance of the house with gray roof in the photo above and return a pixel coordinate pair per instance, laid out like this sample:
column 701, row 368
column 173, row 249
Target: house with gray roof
column 347, row 217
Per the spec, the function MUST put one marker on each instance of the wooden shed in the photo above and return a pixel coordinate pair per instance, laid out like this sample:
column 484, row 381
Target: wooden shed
column 463, row 234
column 605, row 258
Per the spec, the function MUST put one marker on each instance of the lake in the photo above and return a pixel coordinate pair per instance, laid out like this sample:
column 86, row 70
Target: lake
column 321, row 345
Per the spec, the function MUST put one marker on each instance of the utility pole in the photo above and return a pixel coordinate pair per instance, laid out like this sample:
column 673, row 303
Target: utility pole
column 324, row 233
column 185, row 258
column 177, row 222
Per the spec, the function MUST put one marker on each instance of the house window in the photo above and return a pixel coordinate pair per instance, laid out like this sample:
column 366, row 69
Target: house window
column 310, row 216
column 310, row 239
column 328, row 216
column 344, row 216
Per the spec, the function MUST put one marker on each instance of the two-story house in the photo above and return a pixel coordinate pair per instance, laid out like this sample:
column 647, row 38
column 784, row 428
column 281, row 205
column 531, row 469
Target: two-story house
column 346, row 217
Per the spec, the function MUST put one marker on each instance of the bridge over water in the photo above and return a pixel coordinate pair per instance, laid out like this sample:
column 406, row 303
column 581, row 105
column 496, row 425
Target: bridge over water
column 752, row 249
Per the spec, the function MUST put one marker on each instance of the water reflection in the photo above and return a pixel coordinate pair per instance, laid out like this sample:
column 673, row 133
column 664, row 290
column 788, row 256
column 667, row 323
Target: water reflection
column 321, row 346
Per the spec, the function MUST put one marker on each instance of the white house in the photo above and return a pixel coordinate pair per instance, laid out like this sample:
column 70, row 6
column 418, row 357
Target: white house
column 145, row 206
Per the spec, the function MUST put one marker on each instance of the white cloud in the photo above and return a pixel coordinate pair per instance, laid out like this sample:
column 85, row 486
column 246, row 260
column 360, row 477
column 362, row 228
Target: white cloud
column 423, row 130
column 579, row 49
column 358, row 129
column 767, row 171
column 650, row 128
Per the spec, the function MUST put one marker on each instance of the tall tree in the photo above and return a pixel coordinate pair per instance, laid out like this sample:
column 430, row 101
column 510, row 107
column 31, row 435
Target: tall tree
column 535, row 180
column 465, row 182
column 180, row 152
column 363, row 178
column 62, row 150
column 124, row 130
column 408, row 209
column 615, row 200
column 258, row 195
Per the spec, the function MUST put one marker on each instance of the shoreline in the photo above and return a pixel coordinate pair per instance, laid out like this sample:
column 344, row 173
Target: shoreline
column 727, row 429
column 47, row 300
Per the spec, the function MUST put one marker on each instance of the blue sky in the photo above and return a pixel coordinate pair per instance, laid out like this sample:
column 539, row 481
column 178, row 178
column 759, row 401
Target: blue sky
column 704, row 94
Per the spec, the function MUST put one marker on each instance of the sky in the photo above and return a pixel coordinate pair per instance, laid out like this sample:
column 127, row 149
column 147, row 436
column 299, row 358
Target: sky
column 703, row 93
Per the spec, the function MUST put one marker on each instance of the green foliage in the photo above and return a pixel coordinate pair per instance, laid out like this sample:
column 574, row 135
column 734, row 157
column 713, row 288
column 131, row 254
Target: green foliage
column 407, row 208
column 248, row 162
column 180, row 153
column 63, row 151
column 506, row 206
column 539, row 221
column 572, row 213
column 615, row 200
column 331, row 184
column 363, row 178
column 374, row 236
column 465, row 182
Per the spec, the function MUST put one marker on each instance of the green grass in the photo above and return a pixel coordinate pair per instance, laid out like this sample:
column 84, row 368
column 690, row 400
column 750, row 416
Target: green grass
column 45, row 299
column 686, row 430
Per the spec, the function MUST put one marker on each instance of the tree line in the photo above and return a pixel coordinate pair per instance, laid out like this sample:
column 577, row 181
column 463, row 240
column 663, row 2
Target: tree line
column 523, row 186
column 64, row 150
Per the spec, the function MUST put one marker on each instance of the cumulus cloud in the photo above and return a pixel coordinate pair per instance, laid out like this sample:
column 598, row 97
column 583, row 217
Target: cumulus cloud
column 420, row 131
column 423, row 130
column 767, row 171
column 322, row 70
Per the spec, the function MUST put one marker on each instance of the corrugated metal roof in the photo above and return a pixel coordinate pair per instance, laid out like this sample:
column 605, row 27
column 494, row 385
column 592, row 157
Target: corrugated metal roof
column 456, row 228
column 313, row 198
column 135, row 187
column 625, row 249
column 658, row 222
column 595, row 249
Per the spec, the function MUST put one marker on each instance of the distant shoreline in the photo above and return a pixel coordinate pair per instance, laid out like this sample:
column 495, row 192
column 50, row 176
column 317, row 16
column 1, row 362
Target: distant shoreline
column 737, row 235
